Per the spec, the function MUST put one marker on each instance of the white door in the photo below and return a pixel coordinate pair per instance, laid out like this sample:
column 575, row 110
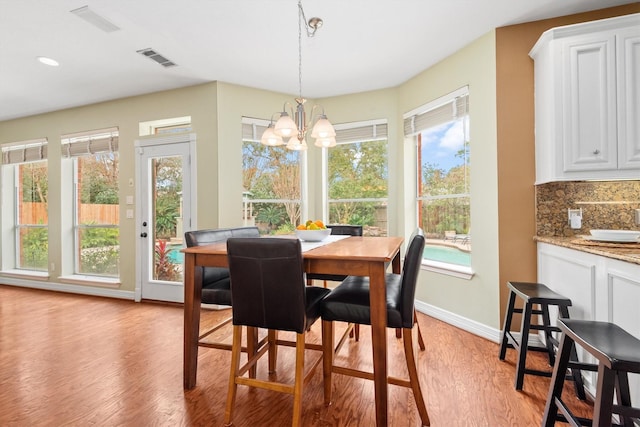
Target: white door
column 166, row 184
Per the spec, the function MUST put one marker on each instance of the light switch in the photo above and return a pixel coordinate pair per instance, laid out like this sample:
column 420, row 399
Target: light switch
column 129, row 213
column 129, row 200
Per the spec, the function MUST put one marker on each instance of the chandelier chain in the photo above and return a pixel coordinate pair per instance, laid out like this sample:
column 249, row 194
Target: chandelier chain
column 301, row 17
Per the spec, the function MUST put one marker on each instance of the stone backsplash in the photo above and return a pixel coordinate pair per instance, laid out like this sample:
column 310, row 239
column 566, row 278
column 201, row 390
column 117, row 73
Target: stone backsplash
column 605, row 205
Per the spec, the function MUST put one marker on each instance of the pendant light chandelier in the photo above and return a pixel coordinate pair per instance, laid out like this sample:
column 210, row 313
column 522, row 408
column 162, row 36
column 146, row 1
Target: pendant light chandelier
column 293, row 127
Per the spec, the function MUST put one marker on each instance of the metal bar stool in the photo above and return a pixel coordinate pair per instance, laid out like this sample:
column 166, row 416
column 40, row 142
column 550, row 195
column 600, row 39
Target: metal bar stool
column 535, row 294
column 617, row 352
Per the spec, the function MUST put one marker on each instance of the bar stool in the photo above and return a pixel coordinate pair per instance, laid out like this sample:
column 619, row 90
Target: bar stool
column 532, row 294
column 617, row 352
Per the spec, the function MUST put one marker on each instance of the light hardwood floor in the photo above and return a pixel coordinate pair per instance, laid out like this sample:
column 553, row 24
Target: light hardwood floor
column 70, row 360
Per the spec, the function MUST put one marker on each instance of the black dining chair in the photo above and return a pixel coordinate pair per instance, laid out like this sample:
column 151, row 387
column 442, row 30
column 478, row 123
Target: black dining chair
column 268, row 291
column 216, row 287
column 349, row 302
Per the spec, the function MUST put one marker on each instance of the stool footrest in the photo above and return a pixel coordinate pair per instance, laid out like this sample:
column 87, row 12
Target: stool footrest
column 538, row 373
column 583, row 366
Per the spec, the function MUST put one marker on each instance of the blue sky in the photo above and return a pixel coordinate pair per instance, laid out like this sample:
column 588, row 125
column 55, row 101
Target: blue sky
column 441, row 143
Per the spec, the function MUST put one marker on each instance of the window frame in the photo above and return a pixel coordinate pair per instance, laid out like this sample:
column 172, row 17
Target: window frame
column 416, row 122
column 14, row 156
column 75, row 147
column 252, row 130
column 353, row 133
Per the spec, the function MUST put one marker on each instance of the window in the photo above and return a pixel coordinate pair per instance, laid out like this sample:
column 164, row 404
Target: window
column 95, row 201
column 440, row 130
column 357, row 177
column 271, row 179
column 25, row 195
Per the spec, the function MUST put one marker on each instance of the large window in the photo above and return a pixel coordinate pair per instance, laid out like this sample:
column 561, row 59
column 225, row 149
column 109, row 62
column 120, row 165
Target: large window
column 25, row 196
column 95, row 202
column 357, row 177
column 271, row 178
column 440, row 130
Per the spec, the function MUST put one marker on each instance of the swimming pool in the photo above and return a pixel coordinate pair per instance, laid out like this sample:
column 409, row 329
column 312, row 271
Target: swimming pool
column 448, row 254
column 175, row 256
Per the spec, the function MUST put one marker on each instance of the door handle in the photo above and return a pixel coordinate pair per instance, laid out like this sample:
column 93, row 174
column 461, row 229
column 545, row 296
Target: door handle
column 143, row 234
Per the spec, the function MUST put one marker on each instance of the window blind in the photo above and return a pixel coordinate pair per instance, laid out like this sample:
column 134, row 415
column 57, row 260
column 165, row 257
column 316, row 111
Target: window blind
column 100, row 141
column 445, row 110
column 252, row 129
column 24, row 152
column 349, row 133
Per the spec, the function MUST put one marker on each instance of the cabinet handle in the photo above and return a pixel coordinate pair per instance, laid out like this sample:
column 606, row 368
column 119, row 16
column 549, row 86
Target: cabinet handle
column 596, row 151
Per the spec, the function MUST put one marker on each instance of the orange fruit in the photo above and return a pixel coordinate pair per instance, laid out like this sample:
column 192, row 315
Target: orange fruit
column 319, row 223
column 301, row 227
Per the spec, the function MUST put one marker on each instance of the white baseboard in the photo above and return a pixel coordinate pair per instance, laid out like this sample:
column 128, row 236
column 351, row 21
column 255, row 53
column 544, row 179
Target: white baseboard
column 64, row 287
column 458, row 321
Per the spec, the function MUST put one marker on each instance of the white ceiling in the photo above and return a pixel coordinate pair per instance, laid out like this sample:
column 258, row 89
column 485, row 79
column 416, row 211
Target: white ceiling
column 363, row 45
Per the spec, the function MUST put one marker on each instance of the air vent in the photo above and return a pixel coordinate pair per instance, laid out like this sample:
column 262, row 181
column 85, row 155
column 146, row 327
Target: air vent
column 94, row 19
column 152, row 54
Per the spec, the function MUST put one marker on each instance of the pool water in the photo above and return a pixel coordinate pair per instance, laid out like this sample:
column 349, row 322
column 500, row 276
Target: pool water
column 447, row 254
column 175, row 256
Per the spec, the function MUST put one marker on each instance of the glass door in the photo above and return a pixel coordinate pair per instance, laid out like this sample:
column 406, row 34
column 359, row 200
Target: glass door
column 165, row 198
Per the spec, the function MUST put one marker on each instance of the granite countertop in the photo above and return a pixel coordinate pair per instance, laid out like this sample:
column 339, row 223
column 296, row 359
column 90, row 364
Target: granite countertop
column 629, row 252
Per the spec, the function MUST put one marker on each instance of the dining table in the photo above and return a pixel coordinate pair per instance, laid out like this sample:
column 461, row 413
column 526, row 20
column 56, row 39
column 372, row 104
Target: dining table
column 350, row 255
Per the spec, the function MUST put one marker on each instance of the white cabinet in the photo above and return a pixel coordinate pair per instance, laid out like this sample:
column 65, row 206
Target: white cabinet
column 600, row 288
column 587, row 100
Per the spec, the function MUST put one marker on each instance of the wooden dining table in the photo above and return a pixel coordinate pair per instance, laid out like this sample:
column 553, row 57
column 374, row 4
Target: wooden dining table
column 358, row 256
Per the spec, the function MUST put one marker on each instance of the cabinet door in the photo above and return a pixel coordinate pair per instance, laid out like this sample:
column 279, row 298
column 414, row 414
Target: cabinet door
column 589, row 102
column 628, row 65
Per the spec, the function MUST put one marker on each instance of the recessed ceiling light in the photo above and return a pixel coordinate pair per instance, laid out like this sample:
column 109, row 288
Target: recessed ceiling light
column 48, row 61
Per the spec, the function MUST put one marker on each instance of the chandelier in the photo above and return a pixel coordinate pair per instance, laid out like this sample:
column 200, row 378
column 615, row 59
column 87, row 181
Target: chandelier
column 293, row 127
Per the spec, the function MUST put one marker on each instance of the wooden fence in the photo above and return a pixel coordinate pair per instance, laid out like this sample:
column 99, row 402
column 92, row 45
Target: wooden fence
column 36, row 213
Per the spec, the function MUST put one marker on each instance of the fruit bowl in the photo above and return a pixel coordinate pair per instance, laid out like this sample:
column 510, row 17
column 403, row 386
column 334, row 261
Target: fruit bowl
column 313, row 235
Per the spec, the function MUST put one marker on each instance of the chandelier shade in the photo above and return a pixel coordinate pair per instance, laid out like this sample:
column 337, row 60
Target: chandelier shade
column 293, row 127
column 269, row 137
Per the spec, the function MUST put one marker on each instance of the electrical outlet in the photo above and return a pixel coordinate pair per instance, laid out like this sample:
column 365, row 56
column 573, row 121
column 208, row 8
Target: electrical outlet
column 637, row 216
column 575, row 218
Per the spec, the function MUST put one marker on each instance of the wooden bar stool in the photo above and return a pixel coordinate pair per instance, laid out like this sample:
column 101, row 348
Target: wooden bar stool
column 617, row 352
column 535, row 294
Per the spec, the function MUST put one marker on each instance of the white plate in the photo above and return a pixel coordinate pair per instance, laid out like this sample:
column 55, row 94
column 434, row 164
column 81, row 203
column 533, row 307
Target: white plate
column 619, row 239
column 616, row 235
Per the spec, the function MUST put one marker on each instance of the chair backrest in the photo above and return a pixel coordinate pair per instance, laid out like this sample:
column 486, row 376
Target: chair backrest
column 267, row 283
column 207, row 237
column 345, row 230
column 410, row 270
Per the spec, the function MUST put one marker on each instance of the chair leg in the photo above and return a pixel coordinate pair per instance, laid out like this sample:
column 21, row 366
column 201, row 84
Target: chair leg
column 624, row 396
column 557, row 381
column 299, row 381
column 355, row 332
column 546, row 322
column 413, row 375
column 420, row 340
column 273, row 350
column 576, row 373
column 252, row 348
column 507, row 325
column 235, row 366
column 524, row 345
column 327, row 358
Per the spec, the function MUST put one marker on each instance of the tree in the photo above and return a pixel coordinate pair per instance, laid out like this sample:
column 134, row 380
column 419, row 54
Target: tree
column 272, row 173
column 167, row 175
column 357, row 171
column 99, row 179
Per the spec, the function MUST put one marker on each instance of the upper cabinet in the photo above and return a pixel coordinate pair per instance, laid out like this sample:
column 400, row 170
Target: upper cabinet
column 587, row 101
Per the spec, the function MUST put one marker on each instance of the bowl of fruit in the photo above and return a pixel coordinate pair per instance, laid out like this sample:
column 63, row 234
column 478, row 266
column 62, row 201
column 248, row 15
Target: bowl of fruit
column 312, row 231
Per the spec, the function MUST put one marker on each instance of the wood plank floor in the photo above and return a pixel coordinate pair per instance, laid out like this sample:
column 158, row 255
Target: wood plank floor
column 70, row 360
